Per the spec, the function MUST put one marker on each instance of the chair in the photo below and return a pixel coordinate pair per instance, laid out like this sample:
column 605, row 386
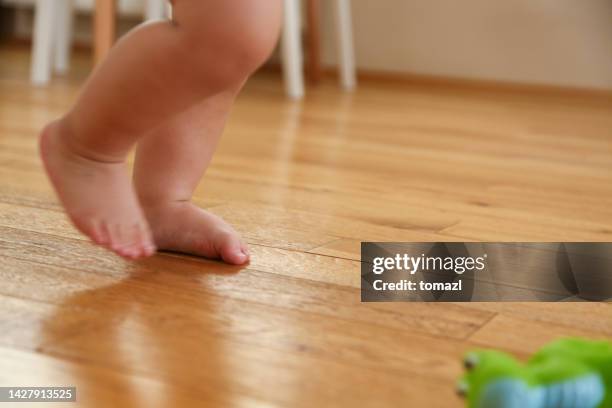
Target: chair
column 53, row 32
column 292, row 53
column 50, row 39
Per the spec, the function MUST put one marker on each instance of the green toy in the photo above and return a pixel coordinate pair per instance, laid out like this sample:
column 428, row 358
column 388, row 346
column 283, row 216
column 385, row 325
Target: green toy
column 568, row 373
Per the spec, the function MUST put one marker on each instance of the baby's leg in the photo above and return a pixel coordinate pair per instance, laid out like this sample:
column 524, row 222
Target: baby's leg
column 169, row 164
column 153, row 74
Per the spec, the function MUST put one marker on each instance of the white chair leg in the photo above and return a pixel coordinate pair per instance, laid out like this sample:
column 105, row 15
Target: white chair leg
column 155, row 10
column 292, row 53
column 42, row 39
column 63, row 35
column 346, row 47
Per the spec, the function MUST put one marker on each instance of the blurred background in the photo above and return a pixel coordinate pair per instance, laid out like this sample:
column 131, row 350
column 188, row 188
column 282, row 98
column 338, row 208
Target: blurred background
column 549, row 42
column 394, row 121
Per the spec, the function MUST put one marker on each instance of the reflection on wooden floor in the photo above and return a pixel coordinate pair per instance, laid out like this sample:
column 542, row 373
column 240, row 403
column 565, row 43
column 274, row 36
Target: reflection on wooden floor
column 305, row 183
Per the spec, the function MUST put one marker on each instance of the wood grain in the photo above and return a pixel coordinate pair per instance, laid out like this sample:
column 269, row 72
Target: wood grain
column 305, row 183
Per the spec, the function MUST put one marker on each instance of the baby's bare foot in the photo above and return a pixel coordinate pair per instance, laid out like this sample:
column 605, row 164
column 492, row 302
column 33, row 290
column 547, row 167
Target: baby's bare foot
column 183, row 227
column 97, row 196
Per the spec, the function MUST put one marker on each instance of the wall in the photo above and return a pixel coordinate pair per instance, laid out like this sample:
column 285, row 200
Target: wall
column 558, row 42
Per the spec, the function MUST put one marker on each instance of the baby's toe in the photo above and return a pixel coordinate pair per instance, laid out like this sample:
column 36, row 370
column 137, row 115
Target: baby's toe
column 131, row 241
column 96, row 232
column 149, row 249
column 118, row 239
column 232, row 250
column 105, row 235
column 245, row 249
column 134, row 251
column 143, row 240
column 146, row 240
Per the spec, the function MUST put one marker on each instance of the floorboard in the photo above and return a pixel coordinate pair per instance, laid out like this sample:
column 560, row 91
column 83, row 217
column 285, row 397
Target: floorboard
column 304, row 183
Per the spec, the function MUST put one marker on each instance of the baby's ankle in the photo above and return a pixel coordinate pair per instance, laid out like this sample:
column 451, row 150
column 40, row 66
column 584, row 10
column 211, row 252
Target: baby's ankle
column 155, row 196
column 71, row 144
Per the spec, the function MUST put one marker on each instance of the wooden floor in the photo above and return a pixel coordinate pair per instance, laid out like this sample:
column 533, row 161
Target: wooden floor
column 305, row 183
